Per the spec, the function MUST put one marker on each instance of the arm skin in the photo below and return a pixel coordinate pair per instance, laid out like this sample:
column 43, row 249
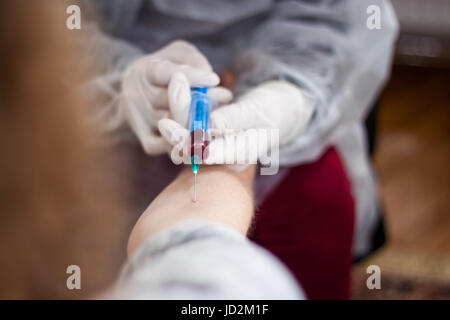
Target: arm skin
column 223, row 196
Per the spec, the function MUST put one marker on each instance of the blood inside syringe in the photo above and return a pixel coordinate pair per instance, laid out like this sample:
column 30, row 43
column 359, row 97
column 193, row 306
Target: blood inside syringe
column 199, row 146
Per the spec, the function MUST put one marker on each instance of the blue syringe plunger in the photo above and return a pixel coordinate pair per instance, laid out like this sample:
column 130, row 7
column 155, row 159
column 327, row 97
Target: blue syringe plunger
column 199, row 114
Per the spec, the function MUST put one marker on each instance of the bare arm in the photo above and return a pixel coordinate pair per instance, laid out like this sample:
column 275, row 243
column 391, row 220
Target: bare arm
column 224, row 196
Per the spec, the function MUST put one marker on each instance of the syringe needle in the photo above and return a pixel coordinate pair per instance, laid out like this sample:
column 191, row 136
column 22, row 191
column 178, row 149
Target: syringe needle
column 195, row 187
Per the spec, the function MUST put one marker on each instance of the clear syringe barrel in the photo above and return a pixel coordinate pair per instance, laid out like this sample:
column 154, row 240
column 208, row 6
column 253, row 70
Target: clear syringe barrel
column 199, row 113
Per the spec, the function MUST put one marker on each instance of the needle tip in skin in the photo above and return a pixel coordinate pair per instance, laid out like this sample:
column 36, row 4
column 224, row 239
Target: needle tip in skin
column 195, row 186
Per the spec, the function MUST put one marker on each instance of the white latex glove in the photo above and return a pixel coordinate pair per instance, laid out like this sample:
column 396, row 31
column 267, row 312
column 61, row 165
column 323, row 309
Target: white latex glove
column 144, row 96
column 272, row 105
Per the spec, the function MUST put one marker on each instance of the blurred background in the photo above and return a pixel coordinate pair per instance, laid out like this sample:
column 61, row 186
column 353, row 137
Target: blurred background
column 412, row 157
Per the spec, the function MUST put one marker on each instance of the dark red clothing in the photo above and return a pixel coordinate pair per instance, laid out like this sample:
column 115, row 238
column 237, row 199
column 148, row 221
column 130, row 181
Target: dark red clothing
column 307, row 222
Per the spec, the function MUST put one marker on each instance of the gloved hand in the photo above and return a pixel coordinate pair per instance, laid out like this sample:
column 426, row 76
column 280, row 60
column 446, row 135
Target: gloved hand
column 144, row 96
column 271, row 105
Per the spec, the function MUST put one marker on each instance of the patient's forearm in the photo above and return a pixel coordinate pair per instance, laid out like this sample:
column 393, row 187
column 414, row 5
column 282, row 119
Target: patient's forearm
column 223, row 196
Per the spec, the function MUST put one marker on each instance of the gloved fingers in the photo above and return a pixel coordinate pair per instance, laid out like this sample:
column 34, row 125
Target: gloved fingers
column 178, row 137
column 234, row 148
column 140, row 117
column 179, row 97
column 160, row 98
column 237, row 116
column 159, row 72
column 156, row 115
column 220, row 95
column 172, row 131
column 138, row 110
column 182, row 52
column 137, row 92
column 154, row 144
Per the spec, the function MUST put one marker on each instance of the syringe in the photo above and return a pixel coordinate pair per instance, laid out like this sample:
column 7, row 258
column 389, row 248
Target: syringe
column 199, row 113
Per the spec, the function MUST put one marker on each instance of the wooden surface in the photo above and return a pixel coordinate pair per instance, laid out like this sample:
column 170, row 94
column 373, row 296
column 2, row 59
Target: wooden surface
column 413, row 159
